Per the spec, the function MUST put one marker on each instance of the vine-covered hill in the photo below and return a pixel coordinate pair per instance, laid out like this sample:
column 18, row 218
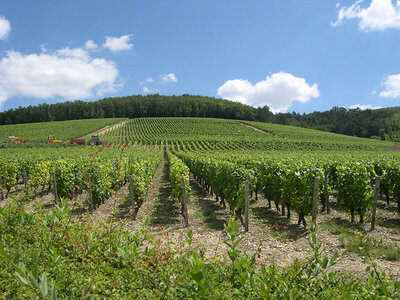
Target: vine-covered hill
column 215, row 134
column 65, row 130
column 211, row 133
column 380, row 123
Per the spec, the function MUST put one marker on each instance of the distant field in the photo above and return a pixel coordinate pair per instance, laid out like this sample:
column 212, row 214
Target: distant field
column 65, row 130
column 221, row 134
column 293, row 133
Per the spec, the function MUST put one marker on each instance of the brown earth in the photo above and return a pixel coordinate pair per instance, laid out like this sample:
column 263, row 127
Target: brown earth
column 395, row 147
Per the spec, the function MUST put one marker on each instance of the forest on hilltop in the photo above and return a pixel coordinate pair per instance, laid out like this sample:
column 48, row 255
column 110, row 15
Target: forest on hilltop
column 136, row 106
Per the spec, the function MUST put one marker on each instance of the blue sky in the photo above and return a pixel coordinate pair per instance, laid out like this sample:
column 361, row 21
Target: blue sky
column 290, row 55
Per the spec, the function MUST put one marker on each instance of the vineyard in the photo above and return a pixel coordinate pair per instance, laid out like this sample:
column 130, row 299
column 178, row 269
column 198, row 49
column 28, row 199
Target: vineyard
column 218, row 134
column 37, row 133
column 187, row 201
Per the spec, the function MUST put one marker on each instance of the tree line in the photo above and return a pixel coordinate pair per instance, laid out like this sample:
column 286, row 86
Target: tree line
column 134, row 107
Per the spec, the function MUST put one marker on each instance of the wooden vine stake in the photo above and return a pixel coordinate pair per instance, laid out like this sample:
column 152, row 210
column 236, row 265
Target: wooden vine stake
column 132, row 194
column 246, row 206
column 53, row 175
column 327, row 205
column 25, row 177
column 315, row 204
column 1, row 189
column 185, row 209
column 376, row 195
column 89, row 189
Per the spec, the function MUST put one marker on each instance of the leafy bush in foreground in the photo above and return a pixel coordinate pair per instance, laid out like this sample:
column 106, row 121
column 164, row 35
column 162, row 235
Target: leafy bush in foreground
column 51, row 254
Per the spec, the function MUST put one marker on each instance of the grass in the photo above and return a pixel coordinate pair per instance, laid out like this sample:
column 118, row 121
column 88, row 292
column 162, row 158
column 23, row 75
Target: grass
column 367, row 246
column 354, row 239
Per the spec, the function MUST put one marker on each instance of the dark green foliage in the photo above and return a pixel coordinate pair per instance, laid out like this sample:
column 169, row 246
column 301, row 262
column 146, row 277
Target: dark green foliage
column 354, row 122
column 134, row 107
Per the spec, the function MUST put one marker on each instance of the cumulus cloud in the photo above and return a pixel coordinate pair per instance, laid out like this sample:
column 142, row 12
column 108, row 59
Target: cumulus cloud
column 278, row 91
column 379, row 15
column 169, row 78
column 147, row 90
column 90, row 45
column 147, row 80
column 67, row 73
column 115, row 44
column 78, row 53
column 364, row 106
column 392, row 86
column 5, row 28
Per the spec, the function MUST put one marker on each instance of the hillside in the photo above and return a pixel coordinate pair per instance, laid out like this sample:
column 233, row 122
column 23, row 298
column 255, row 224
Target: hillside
column 214, row 134
column 65, row 130
column 380, row 123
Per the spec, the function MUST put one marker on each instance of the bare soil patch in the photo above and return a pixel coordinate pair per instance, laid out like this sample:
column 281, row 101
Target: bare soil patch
column 395, row 147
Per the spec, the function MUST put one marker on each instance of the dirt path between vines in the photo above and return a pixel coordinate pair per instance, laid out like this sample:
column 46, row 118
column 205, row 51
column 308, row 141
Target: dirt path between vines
column 258, row 129
column 105, row 129
column 116, row 206
column 156, row 210
column 279, row 240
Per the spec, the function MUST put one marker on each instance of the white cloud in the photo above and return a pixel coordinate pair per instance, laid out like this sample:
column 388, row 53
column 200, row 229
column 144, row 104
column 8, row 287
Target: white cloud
column 147, row 80
column 67, row 52
column 66, row 73
column 147, row 90
column 278, row 91
column 392, row 86
column 5, row 28
column 364, row 106
column 379, row 15
column 90, row 45
column 115, row 44
column 169, row 78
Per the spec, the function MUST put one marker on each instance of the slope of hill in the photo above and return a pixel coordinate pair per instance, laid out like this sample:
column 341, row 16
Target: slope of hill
column 212, row 133
column 382, row 123
column 64, row 130
column 234, row 135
